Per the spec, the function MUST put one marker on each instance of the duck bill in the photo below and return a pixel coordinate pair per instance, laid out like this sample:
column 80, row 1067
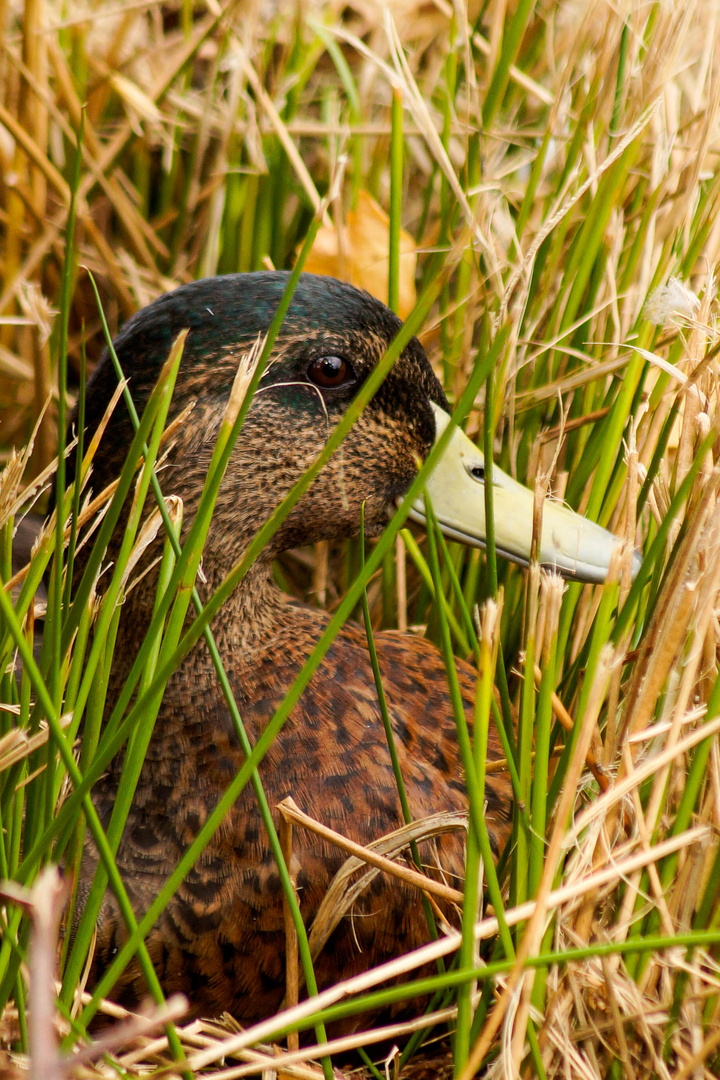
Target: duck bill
column 575, row 547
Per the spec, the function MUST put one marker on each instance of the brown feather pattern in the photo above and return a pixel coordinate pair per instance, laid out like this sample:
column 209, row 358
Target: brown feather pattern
column 221, row 939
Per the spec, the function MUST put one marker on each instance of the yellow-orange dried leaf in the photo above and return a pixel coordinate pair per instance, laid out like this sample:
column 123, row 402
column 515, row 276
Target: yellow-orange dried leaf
column 360, row 256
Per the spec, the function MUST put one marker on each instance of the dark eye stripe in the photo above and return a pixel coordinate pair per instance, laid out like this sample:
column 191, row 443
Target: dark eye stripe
column 330, row 372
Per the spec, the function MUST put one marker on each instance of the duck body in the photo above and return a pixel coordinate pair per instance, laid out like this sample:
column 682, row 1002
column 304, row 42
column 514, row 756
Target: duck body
column 221, row 938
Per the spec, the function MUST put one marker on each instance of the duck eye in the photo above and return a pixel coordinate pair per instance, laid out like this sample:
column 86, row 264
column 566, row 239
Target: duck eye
column 329, row 372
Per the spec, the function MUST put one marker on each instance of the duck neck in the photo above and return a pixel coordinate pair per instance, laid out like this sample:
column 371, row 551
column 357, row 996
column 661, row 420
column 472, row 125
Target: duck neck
column 254, row 615
column 256, row 621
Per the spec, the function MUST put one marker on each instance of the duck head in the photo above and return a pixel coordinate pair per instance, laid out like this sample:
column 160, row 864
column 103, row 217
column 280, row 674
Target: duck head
column 332, row 338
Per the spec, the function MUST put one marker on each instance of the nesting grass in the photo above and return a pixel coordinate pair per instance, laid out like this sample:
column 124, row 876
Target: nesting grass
column 553, row 170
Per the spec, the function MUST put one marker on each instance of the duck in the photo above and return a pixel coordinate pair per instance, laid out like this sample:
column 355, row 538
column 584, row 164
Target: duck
column 221, row 939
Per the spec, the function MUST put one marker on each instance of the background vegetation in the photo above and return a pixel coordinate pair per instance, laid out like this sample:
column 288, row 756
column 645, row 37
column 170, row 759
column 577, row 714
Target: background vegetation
column 554, row 169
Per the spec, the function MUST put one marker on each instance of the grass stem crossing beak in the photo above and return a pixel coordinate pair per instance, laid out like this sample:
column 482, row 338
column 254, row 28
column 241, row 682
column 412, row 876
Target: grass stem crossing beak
column 574, row 546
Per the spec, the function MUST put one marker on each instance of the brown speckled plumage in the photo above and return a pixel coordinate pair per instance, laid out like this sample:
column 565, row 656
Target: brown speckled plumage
column 221, row 940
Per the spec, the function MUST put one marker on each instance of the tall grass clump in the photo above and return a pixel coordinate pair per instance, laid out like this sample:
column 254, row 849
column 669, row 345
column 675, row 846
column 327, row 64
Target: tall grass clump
column 535, row 189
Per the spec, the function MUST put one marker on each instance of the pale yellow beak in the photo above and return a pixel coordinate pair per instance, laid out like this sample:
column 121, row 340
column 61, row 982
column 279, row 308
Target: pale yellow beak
column 572, row 545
